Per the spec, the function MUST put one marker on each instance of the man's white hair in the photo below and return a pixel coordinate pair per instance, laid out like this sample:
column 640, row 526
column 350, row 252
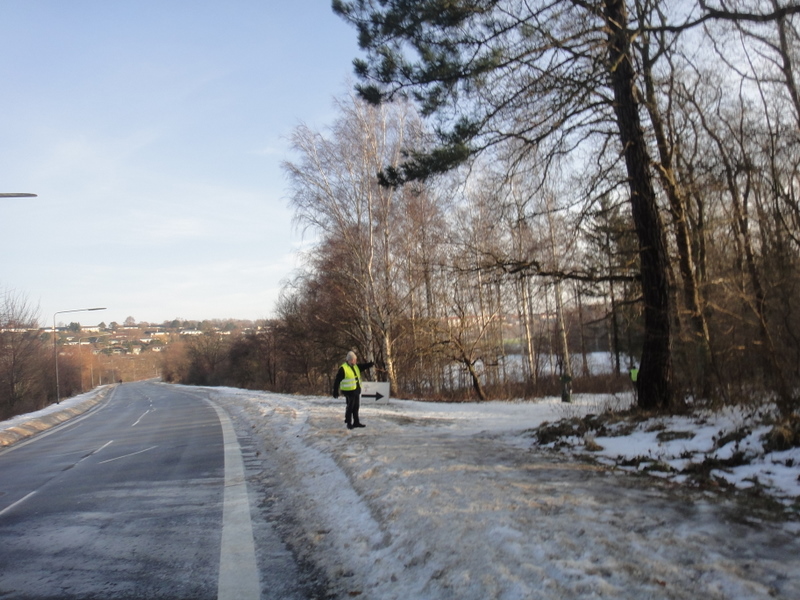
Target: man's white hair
column 351, row 356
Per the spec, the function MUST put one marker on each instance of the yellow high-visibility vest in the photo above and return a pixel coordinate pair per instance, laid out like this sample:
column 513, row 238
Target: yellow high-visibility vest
column 352, row 375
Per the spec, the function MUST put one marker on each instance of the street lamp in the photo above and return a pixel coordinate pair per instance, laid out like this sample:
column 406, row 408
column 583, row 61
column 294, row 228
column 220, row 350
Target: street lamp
column 55, row 349
column 17, row 195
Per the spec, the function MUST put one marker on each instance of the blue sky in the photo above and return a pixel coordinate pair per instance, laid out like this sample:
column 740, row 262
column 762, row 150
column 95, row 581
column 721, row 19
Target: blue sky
column 153, row 133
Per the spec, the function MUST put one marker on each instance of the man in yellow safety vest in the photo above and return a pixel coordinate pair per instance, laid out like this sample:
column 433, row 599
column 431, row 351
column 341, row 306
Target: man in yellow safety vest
column 348, row 382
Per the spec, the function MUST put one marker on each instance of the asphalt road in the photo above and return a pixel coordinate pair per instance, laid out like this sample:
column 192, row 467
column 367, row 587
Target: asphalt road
column 143, row 497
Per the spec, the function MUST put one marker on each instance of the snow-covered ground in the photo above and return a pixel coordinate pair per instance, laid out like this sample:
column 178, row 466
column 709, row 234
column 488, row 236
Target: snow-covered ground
column 472, row 501
column 435, row 501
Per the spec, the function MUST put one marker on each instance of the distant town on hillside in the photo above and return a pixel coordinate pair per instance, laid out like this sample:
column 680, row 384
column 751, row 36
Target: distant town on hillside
column 132, row 338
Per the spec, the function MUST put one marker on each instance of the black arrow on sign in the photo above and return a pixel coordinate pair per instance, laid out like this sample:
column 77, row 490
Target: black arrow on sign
column 376, row 395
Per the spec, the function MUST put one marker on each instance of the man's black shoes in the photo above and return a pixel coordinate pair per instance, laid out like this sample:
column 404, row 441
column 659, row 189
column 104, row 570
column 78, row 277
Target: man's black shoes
column 358, row 425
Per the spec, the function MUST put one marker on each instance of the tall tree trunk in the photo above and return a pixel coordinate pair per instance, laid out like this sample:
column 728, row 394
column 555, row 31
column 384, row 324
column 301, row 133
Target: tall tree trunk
column 614, row 342
column 585, row 372
column 655, row 382
column 525, row 313
column 692, row 300
column 566, row 362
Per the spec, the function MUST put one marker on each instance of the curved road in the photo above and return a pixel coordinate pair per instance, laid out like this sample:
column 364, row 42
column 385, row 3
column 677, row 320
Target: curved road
column 143, row 497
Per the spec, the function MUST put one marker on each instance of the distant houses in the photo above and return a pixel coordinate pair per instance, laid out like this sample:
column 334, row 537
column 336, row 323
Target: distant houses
column 132, row 339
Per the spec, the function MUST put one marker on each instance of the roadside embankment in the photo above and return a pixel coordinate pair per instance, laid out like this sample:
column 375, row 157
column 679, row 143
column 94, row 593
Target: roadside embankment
column 24, row 426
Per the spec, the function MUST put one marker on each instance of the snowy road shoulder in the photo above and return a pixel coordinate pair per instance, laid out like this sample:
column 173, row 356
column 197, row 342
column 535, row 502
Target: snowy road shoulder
column 443, row 501
column 24, row 426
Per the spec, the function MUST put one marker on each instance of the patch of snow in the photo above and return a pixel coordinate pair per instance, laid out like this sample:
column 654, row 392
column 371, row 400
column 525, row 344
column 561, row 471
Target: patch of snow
column 439, row 501
column 66, row 404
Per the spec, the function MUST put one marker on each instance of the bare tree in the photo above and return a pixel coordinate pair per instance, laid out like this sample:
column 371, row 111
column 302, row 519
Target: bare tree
column 25, row 363
column 335, row 191
column 208, row 356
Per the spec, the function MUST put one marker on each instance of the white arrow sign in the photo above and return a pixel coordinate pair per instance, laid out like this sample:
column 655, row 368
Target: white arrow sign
column 375, row 391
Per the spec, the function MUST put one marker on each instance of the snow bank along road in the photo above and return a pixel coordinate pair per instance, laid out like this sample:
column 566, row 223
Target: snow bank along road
column 449, row 501
column 434, row 501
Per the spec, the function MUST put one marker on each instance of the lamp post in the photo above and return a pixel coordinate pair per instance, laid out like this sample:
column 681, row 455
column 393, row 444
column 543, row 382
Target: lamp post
column 55, row 348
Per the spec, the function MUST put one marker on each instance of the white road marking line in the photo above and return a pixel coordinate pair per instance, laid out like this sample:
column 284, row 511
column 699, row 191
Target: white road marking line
column 18, row 502
column 140, row 418
column 238, row 571
column 21, row 500
column 108, row 443
column 102, row 462
column 93, row 452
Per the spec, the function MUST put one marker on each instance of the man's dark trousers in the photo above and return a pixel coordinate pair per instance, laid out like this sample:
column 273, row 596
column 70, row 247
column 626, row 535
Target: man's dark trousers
column 353, row 399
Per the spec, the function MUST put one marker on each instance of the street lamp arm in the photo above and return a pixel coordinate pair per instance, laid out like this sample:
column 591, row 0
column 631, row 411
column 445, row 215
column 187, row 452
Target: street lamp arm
column 59, row 312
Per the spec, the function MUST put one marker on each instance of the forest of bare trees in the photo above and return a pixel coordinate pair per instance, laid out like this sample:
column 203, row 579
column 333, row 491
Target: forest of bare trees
column 515, row 189
column 617, row 177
